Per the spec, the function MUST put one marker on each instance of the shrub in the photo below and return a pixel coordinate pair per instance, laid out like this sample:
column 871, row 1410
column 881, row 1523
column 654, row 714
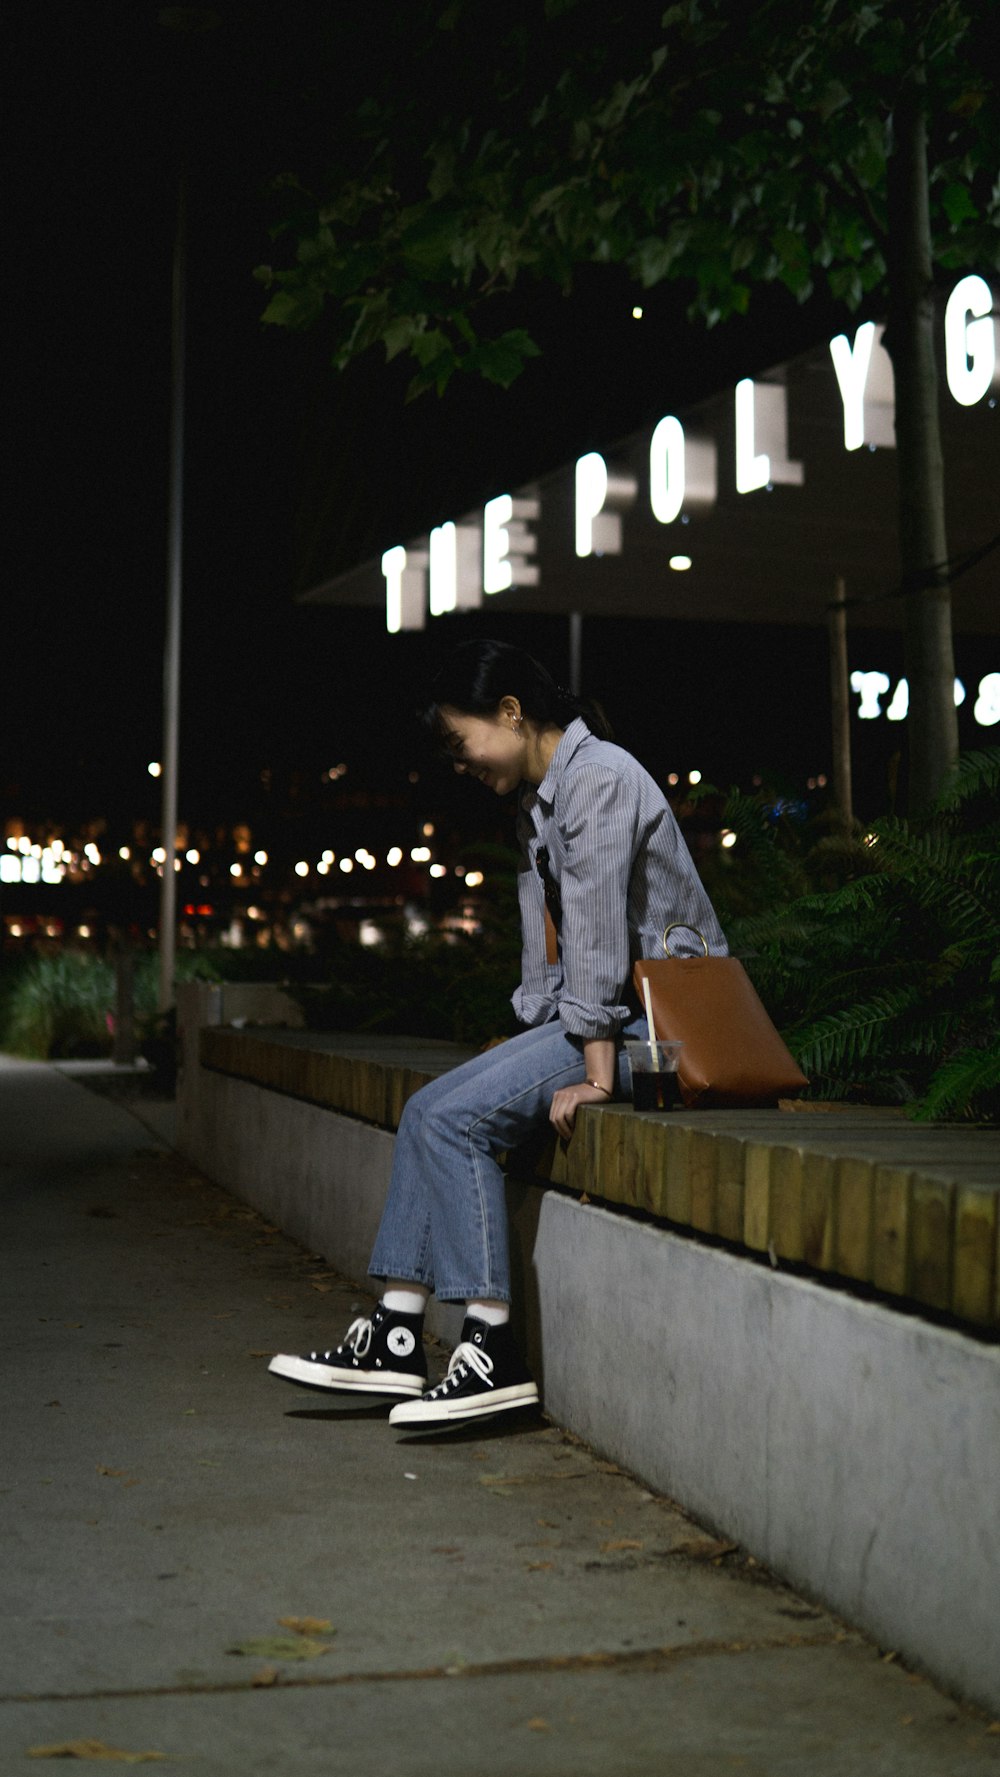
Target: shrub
column 61, row 1006
column 887, row 987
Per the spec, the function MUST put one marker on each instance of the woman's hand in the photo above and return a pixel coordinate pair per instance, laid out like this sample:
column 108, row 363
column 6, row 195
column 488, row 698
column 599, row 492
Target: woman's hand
column 567, row 1101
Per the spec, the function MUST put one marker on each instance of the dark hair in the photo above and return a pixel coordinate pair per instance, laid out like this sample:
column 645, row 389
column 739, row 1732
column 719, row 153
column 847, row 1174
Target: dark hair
column 478, row 674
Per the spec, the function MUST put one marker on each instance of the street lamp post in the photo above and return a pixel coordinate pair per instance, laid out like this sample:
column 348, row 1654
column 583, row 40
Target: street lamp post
column 187, row 22
column 172, row 645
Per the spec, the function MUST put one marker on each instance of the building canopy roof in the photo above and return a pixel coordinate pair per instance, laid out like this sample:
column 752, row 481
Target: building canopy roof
column 773, row 554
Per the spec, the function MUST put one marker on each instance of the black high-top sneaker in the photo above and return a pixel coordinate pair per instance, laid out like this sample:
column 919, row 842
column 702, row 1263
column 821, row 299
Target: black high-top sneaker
column 486, row 1375
column 383, row 1355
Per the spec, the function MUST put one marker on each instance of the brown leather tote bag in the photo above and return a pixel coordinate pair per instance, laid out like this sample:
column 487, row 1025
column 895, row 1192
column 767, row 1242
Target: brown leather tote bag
column 733, row 1055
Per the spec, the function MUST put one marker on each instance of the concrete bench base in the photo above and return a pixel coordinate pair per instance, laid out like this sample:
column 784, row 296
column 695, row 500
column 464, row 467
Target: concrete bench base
column 852, row 1448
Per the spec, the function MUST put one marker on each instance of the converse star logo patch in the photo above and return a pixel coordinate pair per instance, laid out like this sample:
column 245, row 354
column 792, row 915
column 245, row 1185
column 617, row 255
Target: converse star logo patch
column 401, row 1341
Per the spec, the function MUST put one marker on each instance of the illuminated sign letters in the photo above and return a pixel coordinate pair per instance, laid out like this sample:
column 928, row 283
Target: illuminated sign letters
column 864, row 373
column 457, row 563
column 454, row 568
column 601, row 498
column 870, row 686
column 762, row 421
column 404, row 572
column 682, row 471
column 507, row 543
column 987, row 705
column 970, row 345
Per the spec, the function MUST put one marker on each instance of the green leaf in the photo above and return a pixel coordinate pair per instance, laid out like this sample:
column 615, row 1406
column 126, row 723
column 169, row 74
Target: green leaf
column 293, row 308
column 958, row 205
column 441, row 178
column 281, row 1647
column 399, row 335
column 655, row 255
column 502, row 360
column 429, row 344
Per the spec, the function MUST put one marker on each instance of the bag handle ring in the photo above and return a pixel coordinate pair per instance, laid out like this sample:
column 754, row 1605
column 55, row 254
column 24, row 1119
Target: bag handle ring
column 680, row 925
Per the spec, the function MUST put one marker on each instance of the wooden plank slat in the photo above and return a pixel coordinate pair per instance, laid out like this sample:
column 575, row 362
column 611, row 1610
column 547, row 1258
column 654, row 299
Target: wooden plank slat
column 677, row 1195
column 729, row 1186
column 890, row 1228
column 819, row 1210
column 702, row 1163
column 785, row 1219
column 932, row 1218
column 853, row 1236
column 977, row 1215
column 757, row 1196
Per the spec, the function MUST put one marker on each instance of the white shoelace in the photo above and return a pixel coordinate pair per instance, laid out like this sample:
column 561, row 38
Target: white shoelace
column 359, row 1335
column 357, row 1339
column 464, row 1358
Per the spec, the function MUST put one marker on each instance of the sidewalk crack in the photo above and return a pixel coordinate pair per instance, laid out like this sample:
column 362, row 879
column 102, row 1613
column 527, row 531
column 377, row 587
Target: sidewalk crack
column 650, row 1659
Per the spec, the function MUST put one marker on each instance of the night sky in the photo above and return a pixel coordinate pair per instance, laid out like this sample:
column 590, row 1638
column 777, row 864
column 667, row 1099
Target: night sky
column 291, row 472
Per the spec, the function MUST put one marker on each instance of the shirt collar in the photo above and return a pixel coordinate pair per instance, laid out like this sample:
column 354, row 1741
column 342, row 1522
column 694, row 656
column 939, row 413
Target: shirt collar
column 575, row 735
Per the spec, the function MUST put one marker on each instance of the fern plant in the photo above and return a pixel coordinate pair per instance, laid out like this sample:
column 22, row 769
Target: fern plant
column 887, row 987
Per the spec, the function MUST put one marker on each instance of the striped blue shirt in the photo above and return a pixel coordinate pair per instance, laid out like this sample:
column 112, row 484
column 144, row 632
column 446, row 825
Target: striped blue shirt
column 624, row 874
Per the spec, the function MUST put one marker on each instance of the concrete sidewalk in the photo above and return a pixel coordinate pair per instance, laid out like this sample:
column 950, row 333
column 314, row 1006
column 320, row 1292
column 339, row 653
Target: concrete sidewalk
column 499, row 1601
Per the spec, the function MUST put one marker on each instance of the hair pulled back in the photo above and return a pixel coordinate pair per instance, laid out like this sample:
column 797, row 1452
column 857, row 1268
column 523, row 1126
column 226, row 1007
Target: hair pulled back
column 479, row 673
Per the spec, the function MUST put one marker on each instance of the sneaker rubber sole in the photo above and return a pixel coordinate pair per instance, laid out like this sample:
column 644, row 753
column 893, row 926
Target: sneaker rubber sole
column 458, row 1410
column 334, row 1380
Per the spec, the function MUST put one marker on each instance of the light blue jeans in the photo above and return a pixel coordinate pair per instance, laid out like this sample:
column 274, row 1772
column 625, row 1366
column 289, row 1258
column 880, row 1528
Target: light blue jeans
column 445, row 1218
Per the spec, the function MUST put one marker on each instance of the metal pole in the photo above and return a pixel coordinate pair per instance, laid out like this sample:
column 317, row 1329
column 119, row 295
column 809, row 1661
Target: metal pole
column 575, row 651
column 840, row 708
column 172, row 646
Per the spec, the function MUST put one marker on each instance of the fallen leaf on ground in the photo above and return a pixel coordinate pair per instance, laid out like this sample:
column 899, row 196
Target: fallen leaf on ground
column 266, row 1676
column 323, row 1288
column 620, row 1542
column 539, row 1566
column 93, row 1749
column 539, row 1725
column 281, row 1647
column 306, row 1625
column 118, row 1474
column 704, row 1548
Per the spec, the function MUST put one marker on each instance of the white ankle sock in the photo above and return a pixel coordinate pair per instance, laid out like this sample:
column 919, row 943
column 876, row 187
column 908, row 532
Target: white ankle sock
column 495, row 1314
column 405, row 1298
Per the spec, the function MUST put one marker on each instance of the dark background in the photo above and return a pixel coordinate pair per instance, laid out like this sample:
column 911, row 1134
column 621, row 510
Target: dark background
column 293, row 473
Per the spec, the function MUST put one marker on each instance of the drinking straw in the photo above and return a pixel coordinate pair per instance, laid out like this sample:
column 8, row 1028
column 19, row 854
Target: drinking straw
column 647, row 996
